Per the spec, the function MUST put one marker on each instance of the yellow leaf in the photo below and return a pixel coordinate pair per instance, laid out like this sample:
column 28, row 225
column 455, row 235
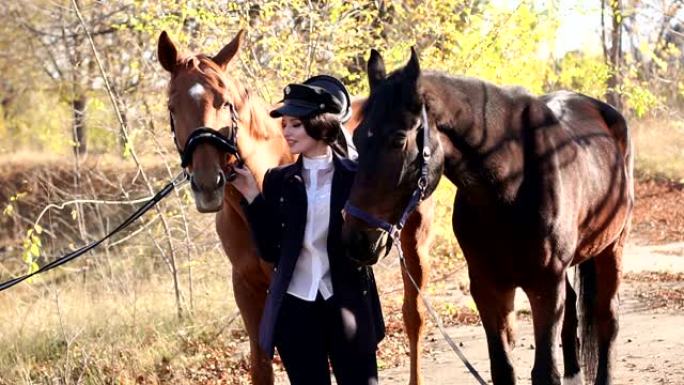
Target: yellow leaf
column 39, row 228
column 35, row 250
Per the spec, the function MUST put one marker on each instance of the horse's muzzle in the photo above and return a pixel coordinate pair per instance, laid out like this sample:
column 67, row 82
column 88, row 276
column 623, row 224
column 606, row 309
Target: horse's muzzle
column 208, row 190
column 366, row 246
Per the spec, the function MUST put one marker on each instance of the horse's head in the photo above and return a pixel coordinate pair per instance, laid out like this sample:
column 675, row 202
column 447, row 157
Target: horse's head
column 206, row 110
column 393, row 161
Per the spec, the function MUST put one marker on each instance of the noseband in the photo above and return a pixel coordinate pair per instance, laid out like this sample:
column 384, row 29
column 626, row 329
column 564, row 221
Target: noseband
column 205, row 134
column 418, row 193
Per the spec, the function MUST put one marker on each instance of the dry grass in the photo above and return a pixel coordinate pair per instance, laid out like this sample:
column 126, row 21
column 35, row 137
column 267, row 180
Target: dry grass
column 659, row 147
column 122, row 328
column 111, row 319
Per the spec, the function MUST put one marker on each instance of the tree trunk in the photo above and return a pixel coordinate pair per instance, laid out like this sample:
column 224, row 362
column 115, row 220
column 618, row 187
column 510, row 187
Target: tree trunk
column 613, row 55
column 79, row 127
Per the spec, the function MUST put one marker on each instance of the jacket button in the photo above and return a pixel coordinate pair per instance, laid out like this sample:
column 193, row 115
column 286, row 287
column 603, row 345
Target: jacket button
column 282, row 199
column 268, row 291
column 275, row 269
column 282, row 224
column 365, row 292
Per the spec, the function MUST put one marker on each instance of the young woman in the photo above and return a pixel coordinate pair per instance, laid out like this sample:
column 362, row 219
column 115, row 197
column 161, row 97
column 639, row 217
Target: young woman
column 320, row 305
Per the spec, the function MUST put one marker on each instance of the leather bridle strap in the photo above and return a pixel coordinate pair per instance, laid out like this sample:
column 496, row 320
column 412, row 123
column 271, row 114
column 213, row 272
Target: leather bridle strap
column 416, row 197
column 209, row 135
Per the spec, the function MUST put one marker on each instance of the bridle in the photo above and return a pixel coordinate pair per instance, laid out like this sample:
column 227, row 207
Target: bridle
column 417, row 196
column 209, row 135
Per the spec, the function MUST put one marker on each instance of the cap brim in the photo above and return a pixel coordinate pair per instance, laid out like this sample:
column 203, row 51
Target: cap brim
column 288, row 109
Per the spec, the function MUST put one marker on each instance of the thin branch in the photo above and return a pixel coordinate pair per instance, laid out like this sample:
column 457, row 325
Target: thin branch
column 124, row 132
column 62, row 205
column 603, row 31
column 136, row 232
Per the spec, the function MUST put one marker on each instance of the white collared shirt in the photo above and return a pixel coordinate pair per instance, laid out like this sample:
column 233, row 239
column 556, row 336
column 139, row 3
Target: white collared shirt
column 312, row 271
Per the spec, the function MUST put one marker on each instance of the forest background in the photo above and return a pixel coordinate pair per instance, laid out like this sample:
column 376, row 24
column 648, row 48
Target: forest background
column 82, row 142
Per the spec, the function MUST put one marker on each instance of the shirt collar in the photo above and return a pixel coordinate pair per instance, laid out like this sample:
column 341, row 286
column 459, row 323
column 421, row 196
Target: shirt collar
column 322, row 162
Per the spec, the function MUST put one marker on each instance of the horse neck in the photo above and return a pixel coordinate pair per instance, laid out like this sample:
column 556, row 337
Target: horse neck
column 482, row 153
column 263, row 145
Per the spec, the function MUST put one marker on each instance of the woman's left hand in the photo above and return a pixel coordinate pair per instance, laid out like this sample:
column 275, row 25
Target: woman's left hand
column 245, row 183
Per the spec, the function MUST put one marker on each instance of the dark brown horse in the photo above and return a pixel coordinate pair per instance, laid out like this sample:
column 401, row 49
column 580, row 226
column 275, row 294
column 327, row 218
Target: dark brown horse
column 544, row 184
column 216, row 120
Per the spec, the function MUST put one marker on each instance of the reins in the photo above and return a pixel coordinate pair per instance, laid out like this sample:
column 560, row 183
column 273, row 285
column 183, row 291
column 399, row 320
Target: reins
column 178, row 181
column 199, row 135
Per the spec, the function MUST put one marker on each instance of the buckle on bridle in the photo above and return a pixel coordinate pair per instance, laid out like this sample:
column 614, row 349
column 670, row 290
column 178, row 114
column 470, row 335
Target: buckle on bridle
column 182, row 178
column 422, row 183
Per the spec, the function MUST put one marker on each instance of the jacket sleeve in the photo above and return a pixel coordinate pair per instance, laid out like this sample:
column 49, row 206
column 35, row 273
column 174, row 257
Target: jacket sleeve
column 262, row 223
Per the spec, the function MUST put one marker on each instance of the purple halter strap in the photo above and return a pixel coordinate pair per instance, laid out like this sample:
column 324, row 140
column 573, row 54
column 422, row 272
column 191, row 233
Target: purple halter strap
column 416, row 197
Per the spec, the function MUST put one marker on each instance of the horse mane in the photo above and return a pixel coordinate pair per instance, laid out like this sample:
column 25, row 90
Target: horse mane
column 260, row 126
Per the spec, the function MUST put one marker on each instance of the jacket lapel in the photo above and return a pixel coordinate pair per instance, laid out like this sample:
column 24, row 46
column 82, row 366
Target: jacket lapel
column 339, row 191
column 294, row 193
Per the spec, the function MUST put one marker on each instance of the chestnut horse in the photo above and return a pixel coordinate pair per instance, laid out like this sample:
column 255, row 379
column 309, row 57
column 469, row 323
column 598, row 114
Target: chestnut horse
column 216, row 120
column 544, row 183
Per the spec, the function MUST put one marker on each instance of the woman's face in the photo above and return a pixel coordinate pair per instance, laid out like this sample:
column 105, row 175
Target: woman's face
column 299, row 141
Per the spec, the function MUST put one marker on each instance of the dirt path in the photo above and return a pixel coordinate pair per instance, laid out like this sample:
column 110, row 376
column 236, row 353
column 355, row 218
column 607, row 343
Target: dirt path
column 650, row 342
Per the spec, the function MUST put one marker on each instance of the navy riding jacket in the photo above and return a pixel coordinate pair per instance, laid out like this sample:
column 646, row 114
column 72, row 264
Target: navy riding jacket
column 277, row 218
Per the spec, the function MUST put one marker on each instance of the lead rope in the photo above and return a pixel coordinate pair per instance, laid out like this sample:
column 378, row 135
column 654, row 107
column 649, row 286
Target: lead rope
column 435, row 318
column 178, row 181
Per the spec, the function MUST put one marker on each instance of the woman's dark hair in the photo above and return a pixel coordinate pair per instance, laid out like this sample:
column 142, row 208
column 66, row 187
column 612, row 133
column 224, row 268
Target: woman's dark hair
column 328, row 128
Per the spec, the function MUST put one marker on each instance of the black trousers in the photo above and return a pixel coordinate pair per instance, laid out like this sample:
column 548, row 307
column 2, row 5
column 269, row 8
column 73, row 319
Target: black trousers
column 308, row 333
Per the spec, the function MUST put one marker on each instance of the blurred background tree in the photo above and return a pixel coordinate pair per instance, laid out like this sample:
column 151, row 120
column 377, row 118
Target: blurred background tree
column 62, row 142
column 53, row 93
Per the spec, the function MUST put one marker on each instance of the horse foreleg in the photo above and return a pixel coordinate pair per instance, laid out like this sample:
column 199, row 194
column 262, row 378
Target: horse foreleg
column 415, row 241
column 250, row 298
column 414, row 317
column 495, row 306
column 547, row 300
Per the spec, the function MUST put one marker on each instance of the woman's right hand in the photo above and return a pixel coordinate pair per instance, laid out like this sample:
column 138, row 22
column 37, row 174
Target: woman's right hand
column 245, row 183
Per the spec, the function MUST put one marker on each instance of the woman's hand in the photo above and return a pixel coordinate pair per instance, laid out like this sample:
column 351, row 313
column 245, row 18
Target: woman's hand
column 245, row 183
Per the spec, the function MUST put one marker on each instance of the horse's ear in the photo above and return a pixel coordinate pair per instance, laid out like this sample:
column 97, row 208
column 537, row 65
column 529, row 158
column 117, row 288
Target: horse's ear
column 167, row 52
column 229, row 52
column 376, row 69
column 412, row 69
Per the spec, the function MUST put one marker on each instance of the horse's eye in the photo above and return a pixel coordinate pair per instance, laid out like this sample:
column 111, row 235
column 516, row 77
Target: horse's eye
column 398, row 140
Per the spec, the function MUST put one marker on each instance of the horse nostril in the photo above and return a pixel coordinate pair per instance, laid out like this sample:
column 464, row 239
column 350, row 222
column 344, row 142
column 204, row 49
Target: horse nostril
column 359, row 239
column 193, row 184
column 220, row 179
